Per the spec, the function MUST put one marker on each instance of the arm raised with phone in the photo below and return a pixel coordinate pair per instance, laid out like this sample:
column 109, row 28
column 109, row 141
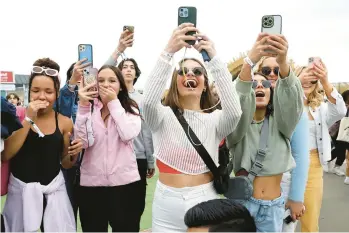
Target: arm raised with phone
column 155, row 86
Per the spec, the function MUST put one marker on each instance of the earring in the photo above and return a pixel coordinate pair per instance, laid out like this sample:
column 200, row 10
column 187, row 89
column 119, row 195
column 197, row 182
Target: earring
column 204, row 89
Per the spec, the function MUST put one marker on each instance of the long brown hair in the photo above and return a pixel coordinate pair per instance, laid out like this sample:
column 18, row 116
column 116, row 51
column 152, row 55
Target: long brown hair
column 172, row 97
column 126, row 102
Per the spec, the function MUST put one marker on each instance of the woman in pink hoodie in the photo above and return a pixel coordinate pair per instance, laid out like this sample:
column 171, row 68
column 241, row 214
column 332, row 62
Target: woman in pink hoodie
column 109, row 172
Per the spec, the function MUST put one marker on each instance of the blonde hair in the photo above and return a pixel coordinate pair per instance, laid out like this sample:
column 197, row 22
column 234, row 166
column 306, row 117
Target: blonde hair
column 315, row 98
column 235, row 66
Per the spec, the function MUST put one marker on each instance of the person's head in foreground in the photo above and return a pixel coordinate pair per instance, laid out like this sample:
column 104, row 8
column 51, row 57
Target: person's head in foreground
column 219, row 215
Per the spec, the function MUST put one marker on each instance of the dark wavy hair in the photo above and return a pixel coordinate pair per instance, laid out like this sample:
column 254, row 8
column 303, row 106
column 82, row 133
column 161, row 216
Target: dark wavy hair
column 220, row 215
column 48, row 63
column 138, row 71
column 270, row 106
column 126, row 102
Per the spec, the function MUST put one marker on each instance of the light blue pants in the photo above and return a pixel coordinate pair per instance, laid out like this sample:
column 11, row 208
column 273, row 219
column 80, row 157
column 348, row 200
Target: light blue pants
column 268, row 215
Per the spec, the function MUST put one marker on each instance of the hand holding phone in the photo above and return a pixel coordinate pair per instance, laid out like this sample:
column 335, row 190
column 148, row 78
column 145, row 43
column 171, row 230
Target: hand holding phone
column 128, row 36
column 206, row 47
column 179, row 38
column 314, row 60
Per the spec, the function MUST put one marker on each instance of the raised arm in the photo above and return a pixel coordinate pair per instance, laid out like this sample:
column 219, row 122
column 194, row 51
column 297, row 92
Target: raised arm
column 128, row 125
column 124, row 42
column 156, row 83
column 243, row 85
column 288, row 93
column 153, row 110
column 248, row 106
column 231, row 109
column 336, row 108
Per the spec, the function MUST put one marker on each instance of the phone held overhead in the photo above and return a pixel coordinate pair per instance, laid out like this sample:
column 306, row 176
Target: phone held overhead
column 187, row 14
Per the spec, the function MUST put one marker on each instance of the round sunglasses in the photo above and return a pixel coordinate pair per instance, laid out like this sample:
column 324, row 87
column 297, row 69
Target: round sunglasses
column 267, row 70
column 47, row 71
column 197, row 71
column 265, row 84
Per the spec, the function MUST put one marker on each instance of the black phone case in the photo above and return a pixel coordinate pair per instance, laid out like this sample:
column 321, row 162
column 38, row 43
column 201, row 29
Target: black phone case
column 191, row 18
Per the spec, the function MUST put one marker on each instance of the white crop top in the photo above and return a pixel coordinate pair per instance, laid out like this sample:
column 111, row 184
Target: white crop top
column 312, row 135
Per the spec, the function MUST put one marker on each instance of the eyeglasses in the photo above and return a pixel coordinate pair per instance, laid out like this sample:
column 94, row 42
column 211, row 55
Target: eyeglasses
column 197, row 71
column 265, row 84
column 267, row 70
column 47, row 71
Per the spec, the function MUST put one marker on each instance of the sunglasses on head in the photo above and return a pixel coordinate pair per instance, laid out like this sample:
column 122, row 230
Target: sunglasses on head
column 265, row 84
column 47, row 71
column 197, row 71
column 267, row 70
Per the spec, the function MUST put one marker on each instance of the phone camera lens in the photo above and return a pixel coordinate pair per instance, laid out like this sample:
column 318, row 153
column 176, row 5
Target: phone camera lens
column 182, row 9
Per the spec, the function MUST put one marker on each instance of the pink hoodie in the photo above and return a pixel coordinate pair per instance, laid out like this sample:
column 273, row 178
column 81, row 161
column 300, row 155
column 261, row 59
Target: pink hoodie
column 109, row 159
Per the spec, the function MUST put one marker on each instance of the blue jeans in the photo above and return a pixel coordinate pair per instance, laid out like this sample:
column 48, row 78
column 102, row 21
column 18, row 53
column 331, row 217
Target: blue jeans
column 268, row 215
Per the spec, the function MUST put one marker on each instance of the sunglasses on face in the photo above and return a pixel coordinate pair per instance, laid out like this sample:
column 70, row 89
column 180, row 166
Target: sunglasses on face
column 265, row 84
column 267, row 70
column 197, row 71
column 47, row 71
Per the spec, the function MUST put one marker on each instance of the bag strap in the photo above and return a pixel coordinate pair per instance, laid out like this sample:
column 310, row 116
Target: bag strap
column 198, row 145
column 263, row 141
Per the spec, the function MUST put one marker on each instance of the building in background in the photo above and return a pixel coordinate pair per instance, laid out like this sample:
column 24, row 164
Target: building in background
column 15, row 83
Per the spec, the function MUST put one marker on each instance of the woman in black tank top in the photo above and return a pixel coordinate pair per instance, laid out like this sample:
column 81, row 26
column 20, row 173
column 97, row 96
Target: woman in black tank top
column 37, row 150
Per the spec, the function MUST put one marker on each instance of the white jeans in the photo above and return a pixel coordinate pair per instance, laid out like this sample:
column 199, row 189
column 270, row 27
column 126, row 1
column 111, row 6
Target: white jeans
column 285, row 185
column 170, row 205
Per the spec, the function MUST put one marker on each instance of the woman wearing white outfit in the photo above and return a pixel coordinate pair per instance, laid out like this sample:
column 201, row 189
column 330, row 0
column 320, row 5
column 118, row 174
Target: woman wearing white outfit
column 184, row 179
column 321, row 116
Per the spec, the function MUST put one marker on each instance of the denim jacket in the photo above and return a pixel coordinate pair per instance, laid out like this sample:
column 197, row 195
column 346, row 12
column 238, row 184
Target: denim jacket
column 67, row 102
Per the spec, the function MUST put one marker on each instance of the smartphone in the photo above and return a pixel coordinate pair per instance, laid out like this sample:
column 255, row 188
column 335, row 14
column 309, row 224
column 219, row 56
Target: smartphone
column 313, row 60
column 85, row 51
column 187, row 14
column 90, row 76
column 131, row 29
column 272, row 24
column 287, row 217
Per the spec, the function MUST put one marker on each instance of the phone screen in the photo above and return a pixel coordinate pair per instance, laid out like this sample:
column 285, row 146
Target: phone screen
column 85, row 51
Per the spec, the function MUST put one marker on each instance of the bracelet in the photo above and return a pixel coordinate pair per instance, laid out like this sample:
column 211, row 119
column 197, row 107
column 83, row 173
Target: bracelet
column 248, row 61
column 167, row 54
column 41, row 135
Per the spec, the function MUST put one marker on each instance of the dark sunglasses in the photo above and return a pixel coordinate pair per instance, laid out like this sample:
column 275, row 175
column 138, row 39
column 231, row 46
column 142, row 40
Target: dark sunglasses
column 47, row 71
column 267, row 70
column 197, row 71
column 265, row 84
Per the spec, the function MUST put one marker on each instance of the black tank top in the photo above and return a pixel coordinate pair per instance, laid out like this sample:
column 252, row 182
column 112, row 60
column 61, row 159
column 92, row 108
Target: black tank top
column 39, row 159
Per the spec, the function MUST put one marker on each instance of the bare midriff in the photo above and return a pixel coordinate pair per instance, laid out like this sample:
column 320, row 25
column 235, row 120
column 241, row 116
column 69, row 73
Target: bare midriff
column 174, row 178
column 267, row 187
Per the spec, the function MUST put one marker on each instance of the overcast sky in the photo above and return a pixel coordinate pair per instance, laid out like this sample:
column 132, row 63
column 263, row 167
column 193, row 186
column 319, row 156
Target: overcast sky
column 35, row 29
